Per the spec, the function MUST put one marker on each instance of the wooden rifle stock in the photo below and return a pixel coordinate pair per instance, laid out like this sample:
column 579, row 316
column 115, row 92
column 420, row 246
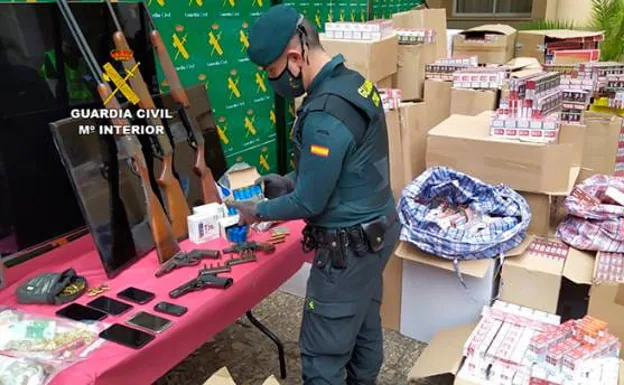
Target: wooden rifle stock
column 166, row 245
column 209, row 189
column 176, row 203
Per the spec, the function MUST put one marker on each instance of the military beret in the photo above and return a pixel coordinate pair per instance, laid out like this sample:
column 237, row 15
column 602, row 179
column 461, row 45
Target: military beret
column 271, row 33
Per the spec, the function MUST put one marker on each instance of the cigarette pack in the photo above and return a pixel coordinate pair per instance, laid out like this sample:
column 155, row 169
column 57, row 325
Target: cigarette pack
column 372, row 30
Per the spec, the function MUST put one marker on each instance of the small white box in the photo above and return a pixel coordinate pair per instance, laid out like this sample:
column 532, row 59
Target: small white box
column 211, row 208
column 203, row 227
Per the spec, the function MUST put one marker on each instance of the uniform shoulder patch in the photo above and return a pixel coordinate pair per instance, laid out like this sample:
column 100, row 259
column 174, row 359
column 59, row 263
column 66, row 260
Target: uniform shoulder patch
column 319, row 150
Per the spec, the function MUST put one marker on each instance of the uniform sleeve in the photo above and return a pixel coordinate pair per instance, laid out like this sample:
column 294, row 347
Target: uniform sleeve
column 325, row 143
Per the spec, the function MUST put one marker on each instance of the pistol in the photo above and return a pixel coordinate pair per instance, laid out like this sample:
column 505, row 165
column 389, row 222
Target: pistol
column 252, row 247
column 205, row 279
column 192, row 258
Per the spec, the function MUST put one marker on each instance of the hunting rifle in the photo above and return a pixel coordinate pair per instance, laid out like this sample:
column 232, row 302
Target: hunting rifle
column 166, row 244
column 208, row 187
column 175, row 201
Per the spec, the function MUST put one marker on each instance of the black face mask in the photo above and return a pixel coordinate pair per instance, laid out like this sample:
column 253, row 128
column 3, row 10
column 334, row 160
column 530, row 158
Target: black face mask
column 288, row 85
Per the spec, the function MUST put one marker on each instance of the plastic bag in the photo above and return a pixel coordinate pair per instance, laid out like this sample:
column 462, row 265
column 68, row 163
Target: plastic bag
column 24, row 371
column 492, row 219
column 595, row 220
column 50, row 340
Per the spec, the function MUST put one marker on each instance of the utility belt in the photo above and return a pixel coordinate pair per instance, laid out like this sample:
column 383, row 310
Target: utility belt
column 332, row 244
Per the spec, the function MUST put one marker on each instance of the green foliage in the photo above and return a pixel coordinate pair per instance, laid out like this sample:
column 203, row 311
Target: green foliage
column 608, row 16
column 546, row 24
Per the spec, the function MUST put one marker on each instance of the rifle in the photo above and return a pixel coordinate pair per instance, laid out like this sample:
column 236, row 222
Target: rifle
column 209, row 189
column 175, row 201
column 166, row 245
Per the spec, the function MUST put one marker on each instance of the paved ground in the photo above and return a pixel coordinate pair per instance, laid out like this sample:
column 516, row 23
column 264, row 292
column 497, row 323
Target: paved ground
column 251, row 357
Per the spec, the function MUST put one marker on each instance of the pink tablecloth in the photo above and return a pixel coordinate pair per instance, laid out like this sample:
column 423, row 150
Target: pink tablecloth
column 210, row 311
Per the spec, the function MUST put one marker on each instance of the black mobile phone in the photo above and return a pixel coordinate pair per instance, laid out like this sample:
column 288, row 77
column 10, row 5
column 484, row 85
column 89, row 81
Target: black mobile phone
column 135, row 295
column 126, row 336
column 170, row 308
column 109, row 305
column 78, row 312
column 153, row 323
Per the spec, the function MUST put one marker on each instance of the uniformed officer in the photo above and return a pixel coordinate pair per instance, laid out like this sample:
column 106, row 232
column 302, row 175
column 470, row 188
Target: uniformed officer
column 340, row 187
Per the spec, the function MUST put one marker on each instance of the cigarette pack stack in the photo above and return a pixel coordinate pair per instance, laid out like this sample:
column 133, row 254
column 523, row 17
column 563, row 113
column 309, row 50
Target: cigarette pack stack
column 574, row 102
column 390, row 98
column 413, row 36
column 443, row 69
column 481, row 77
column 372, row 30
column 533, row 96
column 544, row 130
column 549, row 249
column 609, row 267
column 582, row 49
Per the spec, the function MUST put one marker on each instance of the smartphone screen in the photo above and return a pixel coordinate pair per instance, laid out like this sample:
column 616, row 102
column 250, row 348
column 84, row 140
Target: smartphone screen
column 78, row 312
column 135, row 295
column 126, row 336
column 109, row 305
column 148, row 321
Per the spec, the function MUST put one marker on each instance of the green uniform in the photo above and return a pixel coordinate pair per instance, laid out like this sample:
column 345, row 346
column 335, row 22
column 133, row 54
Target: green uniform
column 342, row 191
column 341, row 150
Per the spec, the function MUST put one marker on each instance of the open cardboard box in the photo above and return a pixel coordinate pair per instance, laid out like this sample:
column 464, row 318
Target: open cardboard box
column 444, row 358
column 492, row 43
column 464, row 143
column 223, row 377
column 532, row 43
column 429, row 281
column 429, row 18
column 375, row 60
column 538, row 282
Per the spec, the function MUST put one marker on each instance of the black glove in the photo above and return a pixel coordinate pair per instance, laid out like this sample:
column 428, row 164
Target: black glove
column 246, row 211
column 276, row 185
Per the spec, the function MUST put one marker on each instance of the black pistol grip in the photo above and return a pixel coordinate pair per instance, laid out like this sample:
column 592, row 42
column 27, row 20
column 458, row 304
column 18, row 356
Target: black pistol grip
column 220, row 282
column 181, row 290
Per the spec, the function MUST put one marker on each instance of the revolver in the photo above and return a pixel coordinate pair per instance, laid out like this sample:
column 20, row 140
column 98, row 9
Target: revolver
column 207, row 277
column 247, row 248
column 192, row 258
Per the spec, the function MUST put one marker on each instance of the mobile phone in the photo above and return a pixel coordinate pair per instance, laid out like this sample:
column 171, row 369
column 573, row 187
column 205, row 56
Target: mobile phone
column 126, row 336
column 149, row 321
column 109, row 305
column 170, row 308
column 78, row 312
column 135, row 295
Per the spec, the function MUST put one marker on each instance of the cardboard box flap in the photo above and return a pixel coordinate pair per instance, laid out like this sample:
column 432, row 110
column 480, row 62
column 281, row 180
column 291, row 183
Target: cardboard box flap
column 221, row 377
column 536, row 263
column 579, row 266
column 271, row 381
column 498, row 29
column 524, row 63
column 243, row 177
column 563, row 33
column 444, row 354
column 476, row 268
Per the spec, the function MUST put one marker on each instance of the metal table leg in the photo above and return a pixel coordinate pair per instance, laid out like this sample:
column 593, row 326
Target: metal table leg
column 274, row 338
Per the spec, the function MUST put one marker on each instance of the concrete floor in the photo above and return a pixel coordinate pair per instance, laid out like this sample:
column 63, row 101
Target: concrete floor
column 251, row 357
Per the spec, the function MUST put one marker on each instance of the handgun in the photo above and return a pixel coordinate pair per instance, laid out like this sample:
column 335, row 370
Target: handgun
column 191, row 258
column 253, row 246
column 205, row 279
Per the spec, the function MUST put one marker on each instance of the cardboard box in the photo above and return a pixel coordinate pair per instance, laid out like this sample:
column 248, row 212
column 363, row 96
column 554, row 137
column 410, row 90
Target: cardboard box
column 413, row 119
column 364, row 56
column 603, row 150
column 492, row 43
column 533, row 43
column 223, row 377
column 606, row 302
column 444, row 357
column 393, row 126
column 473, row 102
column 438, row 99
column 391, row 300
column 410, row 75
column 463, row 143
column 385, row 83
column 425, row 18
column 429, row 281
column 534, row 278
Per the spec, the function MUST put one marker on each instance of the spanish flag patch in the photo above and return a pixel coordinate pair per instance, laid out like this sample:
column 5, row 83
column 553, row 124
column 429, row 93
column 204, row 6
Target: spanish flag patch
column 319, row 150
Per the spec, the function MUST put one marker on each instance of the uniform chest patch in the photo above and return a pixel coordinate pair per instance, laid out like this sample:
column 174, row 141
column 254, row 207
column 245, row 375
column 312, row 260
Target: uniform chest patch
column 319, row 150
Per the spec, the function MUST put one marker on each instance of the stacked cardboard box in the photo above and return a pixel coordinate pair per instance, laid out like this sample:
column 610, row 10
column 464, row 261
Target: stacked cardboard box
column 560, row 46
